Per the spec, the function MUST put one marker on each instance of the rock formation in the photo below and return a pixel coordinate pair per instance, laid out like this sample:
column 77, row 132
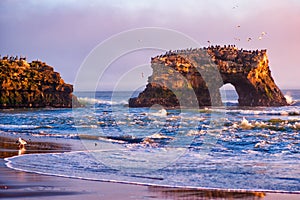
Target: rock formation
column 192, row 77
column 32, row 85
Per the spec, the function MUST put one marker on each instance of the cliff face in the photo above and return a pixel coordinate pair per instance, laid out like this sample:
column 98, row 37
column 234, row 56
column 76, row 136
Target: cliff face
column 193, row 77
column 32, row 85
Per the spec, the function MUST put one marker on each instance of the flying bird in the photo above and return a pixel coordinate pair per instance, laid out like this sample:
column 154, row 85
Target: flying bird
column 262, row 35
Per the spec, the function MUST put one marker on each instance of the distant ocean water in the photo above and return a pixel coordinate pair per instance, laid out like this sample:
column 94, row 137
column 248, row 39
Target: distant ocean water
column 226, row 147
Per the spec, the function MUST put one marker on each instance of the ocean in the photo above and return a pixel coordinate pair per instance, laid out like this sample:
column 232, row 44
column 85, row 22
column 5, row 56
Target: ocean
column 230, row 147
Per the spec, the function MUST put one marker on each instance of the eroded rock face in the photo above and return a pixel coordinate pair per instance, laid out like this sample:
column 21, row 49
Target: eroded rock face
column 189, row 78
column 32, row 85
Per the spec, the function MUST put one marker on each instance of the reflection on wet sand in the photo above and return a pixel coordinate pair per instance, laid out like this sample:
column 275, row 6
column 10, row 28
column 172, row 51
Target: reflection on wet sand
column 22, row 150
column 181, row 193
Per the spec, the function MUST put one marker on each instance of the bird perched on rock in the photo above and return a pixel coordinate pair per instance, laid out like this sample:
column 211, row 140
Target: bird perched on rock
column 21, row 142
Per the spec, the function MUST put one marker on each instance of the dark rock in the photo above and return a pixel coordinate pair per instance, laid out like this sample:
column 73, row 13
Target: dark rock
column 189, row 78
column 33, row 85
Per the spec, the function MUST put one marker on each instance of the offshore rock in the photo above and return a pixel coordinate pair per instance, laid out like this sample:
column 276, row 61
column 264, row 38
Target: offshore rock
column 193, row 77
column 33, row 85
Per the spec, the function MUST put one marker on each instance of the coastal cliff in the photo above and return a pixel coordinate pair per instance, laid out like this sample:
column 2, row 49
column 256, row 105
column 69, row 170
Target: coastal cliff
column 33, row 85
column 193, row 77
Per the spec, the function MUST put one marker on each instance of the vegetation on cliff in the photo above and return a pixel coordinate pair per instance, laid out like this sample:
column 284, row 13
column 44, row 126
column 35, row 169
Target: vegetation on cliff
column 32, row 85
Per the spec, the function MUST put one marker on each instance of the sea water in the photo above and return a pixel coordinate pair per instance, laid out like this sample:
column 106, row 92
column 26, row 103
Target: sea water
column 229, row 147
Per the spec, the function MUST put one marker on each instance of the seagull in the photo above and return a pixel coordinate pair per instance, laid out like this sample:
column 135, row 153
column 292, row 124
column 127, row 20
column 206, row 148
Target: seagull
column 249, row 39
column 21, row 142
column 263, row 33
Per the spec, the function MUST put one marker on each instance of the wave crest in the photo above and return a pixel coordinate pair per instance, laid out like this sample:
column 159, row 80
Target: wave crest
column 89, row 101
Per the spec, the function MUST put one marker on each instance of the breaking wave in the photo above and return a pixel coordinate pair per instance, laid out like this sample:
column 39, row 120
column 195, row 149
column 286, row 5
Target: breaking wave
column 88, row 101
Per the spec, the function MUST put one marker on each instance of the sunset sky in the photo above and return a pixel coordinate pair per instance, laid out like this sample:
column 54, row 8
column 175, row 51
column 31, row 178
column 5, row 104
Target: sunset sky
column 63, row 33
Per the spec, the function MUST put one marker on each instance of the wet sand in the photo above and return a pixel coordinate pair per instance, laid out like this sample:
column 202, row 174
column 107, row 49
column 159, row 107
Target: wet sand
column 23, row 185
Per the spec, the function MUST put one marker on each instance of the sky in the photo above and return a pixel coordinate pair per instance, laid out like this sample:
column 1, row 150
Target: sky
column 64, row 33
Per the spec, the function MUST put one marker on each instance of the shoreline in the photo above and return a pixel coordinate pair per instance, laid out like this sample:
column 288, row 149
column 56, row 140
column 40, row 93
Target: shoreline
column 15, row 184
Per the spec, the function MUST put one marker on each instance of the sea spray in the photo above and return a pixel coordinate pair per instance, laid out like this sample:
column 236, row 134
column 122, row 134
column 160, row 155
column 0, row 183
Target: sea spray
column 289, row 98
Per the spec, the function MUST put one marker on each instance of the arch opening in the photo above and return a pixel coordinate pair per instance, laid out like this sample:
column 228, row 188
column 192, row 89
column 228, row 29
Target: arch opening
column 229, row 95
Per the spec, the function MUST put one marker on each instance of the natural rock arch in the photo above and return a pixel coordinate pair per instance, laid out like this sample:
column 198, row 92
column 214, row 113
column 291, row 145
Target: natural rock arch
column 247, row 71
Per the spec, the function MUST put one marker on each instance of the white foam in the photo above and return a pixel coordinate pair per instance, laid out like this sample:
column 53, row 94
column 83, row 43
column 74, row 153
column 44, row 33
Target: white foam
column 159, row 136
column 284, row 113
column 260, row 144
column 289, row 99
column 195, row 132
column 14, row 126
column 160, row 113
column 87, row 100
column 245, row 124
column 86, row 126
column 297, row 125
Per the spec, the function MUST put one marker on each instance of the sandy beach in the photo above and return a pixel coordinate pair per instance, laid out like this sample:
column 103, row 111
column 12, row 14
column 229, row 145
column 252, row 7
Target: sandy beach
column 23, row 185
